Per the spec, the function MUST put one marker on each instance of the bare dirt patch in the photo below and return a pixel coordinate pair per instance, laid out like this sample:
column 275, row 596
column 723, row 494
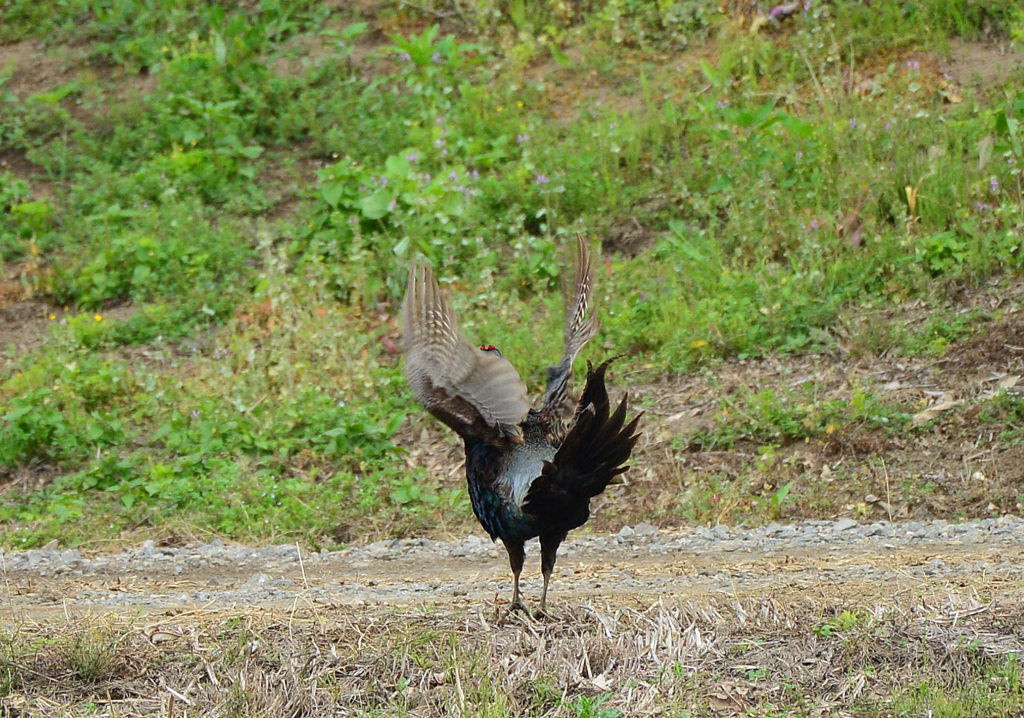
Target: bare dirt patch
column 25, row 323
column 16, row 161
column 629, row 238
column 982, row 64
column 37, row 68
column 24, row 326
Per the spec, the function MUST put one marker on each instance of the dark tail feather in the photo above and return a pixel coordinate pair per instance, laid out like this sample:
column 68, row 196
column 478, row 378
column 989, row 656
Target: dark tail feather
column 593, row 453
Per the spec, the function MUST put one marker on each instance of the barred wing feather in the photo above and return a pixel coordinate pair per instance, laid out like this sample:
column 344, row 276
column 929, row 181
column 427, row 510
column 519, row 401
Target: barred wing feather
column 474, row 392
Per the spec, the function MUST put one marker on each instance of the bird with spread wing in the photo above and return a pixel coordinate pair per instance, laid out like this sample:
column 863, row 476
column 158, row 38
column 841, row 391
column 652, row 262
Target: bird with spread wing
column 531, row 473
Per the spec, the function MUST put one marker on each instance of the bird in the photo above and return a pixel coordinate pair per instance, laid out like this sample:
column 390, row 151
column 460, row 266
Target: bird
column 531, row 473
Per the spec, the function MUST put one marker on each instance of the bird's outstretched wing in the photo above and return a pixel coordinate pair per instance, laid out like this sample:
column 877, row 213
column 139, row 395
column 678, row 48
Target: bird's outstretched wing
column 580, row 327
column 477, row 393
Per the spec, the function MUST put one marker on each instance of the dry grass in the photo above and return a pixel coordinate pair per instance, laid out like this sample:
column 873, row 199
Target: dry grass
column 779, row 655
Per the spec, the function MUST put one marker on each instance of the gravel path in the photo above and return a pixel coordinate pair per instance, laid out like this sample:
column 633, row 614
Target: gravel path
column 842, row 555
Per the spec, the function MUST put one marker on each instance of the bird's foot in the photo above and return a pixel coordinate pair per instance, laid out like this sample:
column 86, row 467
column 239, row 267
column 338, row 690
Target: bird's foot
column 518, row 605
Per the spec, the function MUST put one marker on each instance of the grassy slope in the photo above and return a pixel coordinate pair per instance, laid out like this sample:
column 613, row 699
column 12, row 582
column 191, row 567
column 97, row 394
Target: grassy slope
column 221, row 219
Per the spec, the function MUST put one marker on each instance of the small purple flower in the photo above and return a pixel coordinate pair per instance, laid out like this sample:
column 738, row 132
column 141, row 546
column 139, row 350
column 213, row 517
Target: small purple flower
column 437, row 58
column 993, row 185
column 145, row 205
column 521, row 138
column 853, row 123
column 439, row 120
column 163, row 175
column 393, row 205
column 888, row 125
column 453, row 176
column 439, row 143
column 412, row 156
column 814, row 224
column 404, row 57
column 195, row 414
column 341, row 44
column 983, row 207
column 474, row 174
column 542, row 179
column 720, row 104
column 914, row 64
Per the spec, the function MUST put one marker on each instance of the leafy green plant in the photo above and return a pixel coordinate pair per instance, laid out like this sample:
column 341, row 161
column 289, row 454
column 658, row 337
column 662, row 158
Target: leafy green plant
column 776, row 500
column 844, row 622
column 63, row 411
column 431, row 67
column 20, row 218
column 152, row 263
column 592, row 707
column 12, row 191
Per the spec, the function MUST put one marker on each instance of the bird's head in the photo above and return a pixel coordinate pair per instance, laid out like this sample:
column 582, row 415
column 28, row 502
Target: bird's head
column 490, row 348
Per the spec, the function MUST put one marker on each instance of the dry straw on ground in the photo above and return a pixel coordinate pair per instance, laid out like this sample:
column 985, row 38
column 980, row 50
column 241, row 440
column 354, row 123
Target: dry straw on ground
column 719, row 656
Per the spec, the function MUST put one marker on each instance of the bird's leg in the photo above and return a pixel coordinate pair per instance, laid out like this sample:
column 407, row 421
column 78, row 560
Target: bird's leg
column 516, row 555
column 549, row 544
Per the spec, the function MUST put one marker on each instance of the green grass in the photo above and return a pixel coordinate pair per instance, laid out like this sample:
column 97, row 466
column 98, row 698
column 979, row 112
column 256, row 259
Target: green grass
column 246, row 187
column 997, row 692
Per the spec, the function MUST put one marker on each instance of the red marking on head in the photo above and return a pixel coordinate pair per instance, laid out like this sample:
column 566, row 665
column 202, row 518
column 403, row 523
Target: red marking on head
column 488, row 348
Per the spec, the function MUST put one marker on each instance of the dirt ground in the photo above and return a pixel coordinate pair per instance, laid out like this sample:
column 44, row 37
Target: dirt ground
column 601, row 569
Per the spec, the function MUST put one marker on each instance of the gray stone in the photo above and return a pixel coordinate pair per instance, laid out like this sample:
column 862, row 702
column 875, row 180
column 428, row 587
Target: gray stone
column 844, row 525
column 257, row 582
